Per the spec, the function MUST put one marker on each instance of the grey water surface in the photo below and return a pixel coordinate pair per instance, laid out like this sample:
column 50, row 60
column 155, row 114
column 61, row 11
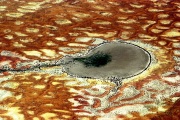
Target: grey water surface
column 111, row 60
column 114, row 61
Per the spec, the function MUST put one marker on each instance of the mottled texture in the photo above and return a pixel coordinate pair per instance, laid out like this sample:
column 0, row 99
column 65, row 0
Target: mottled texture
column 35, row 31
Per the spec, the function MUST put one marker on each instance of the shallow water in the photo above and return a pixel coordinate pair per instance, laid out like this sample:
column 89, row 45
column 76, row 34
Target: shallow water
column 36, row 35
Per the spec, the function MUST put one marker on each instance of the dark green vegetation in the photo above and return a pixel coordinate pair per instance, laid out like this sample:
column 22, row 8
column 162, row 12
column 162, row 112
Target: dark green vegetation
column 96, row 60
